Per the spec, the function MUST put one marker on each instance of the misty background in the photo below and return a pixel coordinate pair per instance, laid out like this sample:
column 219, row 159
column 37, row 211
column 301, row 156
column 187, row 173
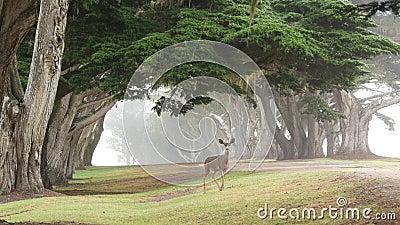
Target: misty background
column 384, row 136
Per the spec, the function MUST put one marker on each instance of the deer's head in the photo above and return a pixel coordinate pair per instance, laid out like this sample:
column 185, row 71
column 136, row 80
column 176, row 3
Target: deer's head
column 226, row 144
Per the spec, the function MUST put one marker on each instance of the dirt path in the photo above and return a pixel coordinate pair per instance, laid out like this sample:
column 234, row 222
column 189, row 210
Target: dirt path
column 389, row 175
column 362, row 168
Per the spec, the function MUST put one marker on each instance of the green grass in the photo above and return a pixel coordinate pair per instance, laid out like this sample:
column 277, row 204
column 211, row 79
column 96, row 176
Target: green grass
column 102, row 173
column 390, row 162
column 244, row 194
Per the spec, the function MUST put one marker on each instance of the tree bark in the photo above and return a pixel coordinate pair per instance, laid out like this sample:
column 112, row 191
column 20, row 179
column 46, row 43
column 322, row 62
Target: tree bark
column 40, row 93
column 354, row 128
column 87, row 160
column 332, row 138
column 313, row 144
column 69, row 119
column 8, row 119
column 16, row 19
column 87, row 144
column 58, row 127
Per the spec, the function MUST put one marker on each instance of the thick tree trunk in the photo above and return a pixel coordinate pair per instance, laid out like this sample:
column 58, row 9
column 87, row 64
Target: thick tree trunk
column 56, row 136
column 16, row 19
column 65, row 128
column 332, row 138
column 313, row 144
column 40, row 93
column 87, row 143
column 87, row 159
column 70, row 147
column 57, row 129
column 355, row 127
column 8, row 120
column 287, row 148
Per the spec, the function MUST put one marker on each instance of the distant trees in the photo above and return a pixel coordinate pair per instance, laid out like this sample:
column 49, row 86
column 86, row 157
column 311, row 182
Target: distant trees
column 373, row 7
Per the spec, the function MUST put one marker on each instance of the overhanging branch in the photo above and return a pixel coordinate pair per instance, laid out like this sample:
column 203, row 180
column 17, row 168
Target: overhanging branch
column 97, row 101
column 380, row 104
column 93, row 118
column 73, row 68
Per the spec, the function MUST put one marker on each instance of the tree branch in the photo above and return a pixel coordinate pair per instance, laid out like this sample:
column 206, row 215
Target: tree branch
column 73, row 68
column 363, row 100
column 380, row 104
column 93, row 118
column 97, row 101
column 15, row 83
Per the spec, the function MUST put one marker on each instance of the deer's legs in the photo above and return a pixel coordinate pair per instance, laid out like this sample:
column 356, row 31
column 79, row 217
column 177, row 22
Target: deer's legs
column 204, row 179
column 206, row 172
column 223, row 180
column 213, row 176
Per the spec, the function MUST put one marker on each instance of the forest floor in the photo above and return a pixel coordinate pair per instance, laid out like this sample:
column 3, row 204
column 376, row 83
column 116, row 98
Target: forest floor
column 295, row 183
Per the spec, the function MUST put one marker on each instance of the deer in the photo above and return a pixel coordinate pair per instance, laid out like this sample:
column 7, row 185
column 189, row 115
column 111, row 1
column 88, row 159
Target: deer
column 217, row 163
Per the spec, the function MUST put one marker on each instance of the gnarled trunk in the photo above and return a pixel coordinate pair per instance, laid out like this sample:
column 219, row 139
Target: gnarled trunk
column 354, row 128
column 16, row 19
column 66, row 127
column 87, row 143
column 40, row 93
column 8, row 120
column 313, row 144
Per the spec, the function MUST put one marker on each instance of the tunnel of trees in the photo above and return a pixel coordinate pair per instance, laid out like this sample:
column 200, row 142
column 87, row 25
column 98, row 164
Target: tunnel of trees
column 59, row 79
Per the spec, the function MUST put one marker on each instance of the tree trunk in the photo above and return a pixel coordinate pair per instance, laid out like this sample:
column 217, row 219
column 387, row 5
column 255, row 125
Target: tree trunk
column 60, row 124
column 40, row 93
column 313, row 144
column 292, row 118
column 332, row 137
column 287, row 149
column 87, row 160
column 66, row 127
column 8, row 120
column 355, row 127
column 83, row 143
column 87, row 143
column 70, row 147
column 57, row 129
column 16, row 19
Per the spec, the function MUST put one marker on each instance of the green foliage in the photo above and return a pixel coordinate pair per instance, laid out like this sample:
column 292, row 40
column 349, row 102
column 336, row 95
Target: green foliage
column 24, row 59
column 99, row 36
column 318, row 107
column 302, row 46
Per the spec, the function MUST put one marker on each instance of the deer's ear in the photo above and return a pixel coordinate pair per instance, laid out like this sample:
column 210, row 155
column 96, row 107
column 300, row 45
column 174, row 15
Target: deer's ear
column 221, row 141
column 232, row 141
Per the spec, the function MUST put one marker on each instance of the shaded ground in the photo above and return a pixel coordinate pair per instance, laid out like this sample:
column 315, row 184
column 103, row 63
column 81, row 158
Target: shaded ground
column 21, row 195
column 116, row 186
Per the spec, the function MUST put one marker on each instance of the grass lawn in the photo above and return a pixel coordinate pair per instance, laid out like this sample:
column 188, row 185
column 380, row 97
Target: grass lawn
column 245, row 193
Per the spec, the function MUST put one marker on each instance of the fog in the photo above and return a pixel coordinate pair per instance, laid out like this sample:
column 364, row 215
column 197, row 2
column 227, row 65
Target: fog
column 112, row 149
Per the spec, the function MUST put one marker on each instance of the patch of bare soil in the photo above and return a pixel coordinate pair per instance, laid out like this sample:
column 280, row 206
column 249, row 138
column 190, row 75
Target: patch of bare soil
column 382, row 192
column 116, row 186
column 359, row 157
column 170, row 195
column 22, row 195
